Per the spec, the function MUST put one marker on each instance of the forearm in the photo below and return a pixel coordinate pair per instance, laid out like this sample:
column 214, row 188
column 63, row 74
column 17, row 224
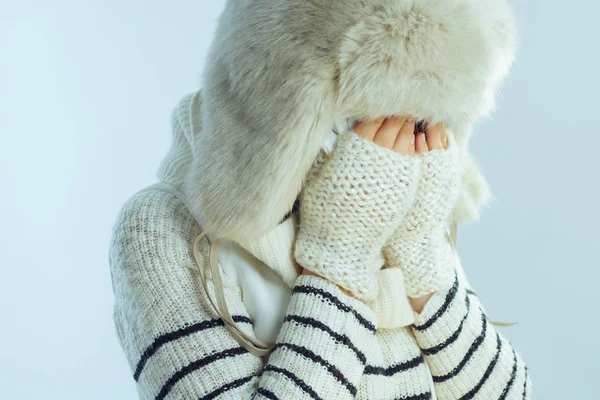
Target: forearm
column 319, row 353
column 321, row 349
column 468, row 358
column 176, row 345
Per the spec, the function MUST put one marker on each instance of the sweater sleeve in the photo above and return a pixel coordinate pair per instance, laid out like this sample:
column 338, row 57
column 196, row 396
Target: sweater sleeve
column 468, row 357
column 177, row 347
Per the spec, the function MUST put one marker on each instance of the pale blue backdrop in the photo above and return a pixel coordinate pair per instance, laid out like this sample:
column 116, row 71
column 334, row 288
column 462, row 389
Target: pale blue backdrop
column 86, row 91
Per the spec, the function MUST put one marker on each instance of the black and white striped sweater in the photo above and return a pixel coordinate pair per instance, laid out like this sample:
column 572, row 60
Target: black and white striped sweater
column 329, row 346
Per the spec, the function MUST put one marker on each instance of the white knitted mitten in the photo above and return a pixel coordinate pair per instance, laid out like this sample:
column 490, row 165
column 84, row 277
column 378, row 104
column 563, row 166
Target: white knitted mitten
column 348, row 209
column 418, row 246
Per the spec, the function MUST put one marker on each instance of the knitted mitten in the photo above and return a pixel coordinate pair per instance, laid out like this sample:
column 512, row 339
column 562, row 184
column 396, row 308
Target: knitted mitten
column 348, row 209
column 418, row 246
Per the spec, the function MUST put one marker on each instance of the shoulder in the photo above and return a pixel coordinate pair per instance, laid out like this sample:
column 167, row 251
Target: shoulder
column 152, row 224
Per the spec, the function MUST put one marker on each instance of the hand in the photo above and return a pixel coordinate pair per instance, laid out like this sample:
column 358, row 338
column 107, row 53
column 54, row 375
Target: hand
column 396, row 133
column 418, row 304
column 355, row 200
column 436, row 138
column 419, row 246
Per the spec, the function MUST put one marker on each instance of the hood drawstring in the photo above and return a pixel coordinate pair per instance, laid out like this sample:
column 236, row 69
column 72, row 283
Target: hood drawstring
column 250, row 343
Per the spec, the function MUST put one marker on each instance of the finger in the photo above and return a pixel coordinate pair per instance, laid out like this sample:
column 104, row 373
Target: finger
column 405, row 141
column 435, row 136
column 386, row 136
column 367, row 128
column 421, row 143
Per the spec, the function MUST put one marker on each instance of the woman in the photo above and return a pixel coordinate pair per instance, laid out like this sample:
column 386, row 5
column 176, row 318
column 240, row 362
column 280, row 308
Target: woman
column 357, row 292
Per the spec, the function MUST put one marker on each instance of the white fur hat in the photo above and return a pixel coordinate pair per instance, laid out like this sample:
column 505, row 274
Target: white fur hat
column 280, row 72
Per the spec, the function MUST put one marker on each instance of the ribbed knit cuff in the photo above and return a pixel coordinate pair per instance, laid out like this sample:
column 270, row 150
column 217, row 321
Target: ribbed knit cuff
column 391, row 305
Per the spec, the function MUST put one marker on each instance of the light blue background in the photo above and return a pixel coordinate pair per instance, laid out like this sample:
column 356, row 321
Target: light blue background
column 86, row 91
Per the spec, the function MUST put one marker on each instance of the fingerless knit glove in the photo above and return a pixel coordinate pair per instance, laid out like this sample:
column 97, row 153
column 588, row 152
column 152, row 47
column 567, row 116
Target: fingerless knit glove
column 418, row 246
column 348, row 209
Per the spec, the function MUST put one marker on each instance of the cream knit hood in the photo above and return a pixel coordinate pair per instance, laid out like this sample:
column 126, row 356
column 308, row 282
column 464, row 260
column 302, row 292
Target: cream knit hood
column 281, row 72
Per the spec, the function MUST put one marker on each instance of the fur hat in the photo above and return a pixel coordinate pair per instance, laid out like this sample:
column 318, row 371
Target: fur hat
column 280, row 72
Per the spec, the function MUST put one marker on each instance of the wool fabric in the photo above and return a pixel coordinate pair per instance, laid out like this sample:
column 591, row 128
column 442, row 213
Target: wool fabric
column 330, row 345
column 353, row 203
column 417, row 246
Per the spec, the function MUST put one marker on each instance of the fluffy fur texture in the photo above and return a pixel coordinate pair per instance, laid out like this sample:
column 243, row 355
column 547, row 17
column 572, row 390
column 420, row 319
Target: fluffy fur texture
column 280, row 72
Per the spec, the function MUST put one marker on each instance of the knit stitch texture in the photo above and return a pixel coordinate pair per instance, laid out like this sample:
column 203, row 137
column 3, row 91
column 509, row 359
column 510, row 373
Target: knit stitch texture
column 419, row 245
column 350, row 207
column 330, row 345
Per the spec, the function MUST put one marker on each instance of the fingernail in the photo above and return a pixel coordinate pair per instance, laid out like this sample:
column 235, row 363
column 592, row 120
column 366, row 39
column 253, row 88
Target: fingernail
column 411, row 119
column 422, row 137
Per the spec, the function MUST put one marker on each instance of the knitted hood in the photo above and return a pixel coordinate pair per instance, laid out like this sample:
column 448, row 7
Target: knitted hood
column 280, row 72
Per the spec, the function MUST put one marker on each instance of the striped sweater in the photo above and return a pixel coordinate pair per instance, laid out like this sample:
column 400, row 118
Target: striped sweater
column 328, row 348
column 330, row 345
